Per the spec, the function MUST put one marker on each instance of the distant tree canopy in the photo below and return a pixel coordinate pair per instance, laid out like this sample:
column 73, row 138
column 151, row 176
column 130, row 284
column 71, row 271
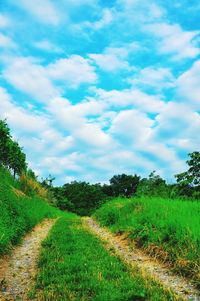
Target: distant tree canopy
column 80, row 197
column 11, row 154
column 154, row 185
column 124, row 185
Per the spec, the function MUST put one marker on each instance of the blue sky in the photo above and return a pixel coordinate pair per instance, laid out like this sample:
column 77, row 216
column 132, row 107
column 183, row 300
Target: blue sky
column 96, row 88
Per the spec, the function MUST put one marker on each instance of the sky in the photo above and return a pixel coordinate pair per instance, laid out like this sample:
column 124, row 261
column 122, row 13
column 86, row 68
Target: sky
column 95, row 88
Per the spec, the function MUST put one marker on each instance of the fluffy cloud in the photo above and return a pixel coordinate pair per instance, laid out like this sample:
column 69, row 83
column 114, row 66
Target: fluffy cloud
column 130, row 97
column 46, row 12
column 114, row 58
column 32, row 80
column 37, row 80
column 172, row 39
column 105, row 20
column 188, row 85
column 74, row 70
column 47, row 46
column 180, row 125
column 156, row 78
column 6, row 42
column 18, row 118
column 93, row 135
column 37, row 132
column 132, row 125
column 4, row 21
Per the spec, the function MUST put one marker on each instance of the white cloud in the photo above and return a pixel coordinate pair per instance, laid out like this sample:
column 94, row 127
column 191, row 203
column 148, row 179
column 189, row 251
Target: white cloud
column 132, row 125
column 109, row 62
column 130, row 97
column 172, row 39
column 137, row 11
column 73, row 119
column 45, row 11
column 32, row 80
column 57, row 165
column 39, row 137
column 6, row 42
column 47, row 46
column 93, row 135
column 74, row 70
column 19, row 118
column 180, row 125
column 157, row 78
column 188, row 87
column 37, row 80
column 4, row 21
column 105, row 20
column 114, row 58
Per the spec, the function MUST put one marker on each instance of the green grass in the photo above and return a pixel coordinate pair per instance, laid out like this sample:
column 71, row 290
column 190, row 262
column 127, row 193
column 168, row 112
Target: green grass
column 18, row 213
column 74, row 265
column 167, row 228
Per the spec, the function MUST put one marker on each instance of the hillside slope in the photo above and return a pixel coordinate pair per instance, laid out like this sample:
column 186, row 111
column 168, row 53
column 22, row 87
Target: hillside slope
column 166, row 229
column 19, row 212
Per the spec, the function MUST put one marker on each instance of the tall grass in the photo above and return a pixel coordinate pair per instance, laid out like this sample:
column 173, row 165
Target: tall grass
column 18, row 212
column 169, row 229
column 74, row 265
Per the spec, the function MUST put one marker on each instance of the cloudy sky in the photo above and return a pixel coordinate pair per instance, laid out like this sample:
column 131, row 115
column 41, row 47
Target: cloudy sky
column 93, row 88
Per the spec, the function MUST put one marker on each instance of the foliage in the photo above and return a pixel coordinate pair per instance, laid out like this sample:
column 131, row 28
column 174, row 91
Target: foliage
column 80, row 197
column 192, row 175
column 189, row 181
column 11, row 154
column 124, row 185
column 154, row 185
column 167, row 228
column 74, row 265
column 19, row 213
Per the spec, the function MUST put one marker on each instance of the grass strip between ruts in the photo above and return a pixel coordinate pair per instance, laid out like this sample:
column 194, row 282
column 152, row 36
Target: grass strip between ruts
column 74, row 265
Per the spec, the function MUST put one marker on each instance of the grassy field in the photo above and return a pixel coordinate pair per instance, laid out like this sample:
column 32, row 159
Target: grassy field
column 169, row 229
column 74, row 265
column 19, row 213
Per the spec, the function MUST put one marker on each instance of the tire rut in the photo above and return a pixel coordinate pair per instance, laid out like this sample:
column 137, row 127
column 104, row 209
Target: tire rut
column 134, row 256
column 18, row 270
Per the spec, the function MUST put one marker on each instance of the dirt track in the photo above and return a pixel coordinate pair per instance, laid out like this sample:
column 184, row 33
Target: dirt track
column 18, row 270
column 134, row 256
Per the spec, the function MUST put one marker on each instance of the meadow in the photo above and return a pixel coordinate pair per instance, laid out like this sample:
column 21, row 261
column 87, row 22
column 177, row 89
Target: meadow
column 167, row 229
column 74, row 265
column 19, row 212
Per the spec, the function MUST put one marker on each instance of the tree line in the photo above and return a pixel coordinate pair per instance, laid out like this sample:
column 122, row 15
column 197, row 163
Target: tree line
column 11, row 154
column 83, row 198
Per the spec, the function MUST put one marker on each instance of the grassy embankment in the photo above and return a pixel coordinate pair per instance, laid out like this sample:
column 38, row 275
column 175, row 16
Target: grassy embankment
column 169, row 229
column 74, row 265
column 19, row 212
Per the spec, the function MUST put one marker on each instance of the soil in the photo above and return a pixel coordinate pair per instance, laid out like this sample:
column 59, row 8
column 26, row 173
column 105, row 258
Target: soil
column 18, row 270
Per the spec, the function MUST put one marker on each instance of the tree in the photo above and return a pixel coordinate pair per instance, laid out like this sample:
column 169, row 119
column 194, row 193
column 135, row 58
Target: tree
column 5, row 139
column 85, row 197
column 192, row 175
column 188, row 182
column 17, row 159
column 124, row 185
column 154, row 185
